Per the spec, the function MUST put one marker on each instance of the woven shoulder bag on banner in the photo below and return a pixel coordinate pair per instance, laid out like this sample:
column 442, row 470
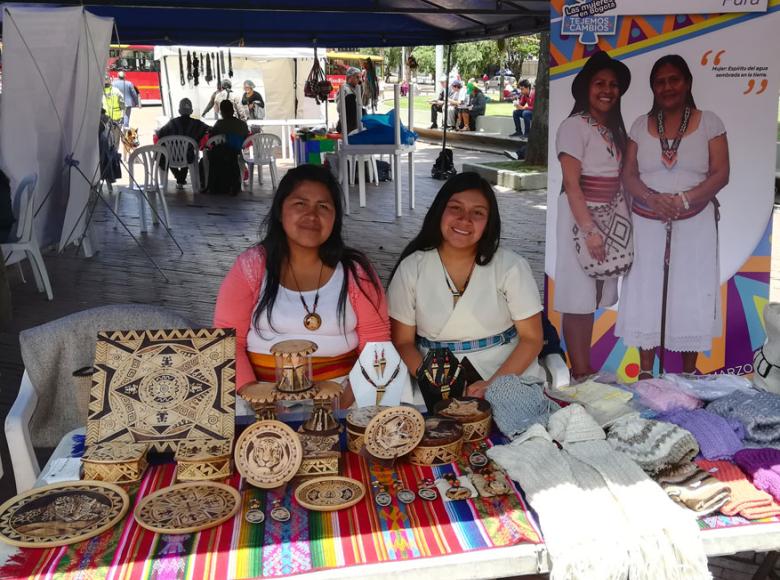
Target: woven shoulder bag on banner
column 613, row 219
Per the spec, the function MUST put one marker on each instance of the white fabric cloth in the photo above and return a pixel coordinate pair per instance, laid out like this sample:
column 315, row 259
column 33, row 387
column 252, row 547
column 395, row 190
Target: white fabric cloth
column 693, row 309
column 575, row 291
column 287, row 320
column 498, row 293
column 601, row 516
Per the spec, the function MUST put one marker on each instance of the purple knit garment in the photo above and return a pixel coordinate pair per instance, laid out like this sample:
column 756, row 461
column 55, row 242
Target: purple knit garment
column 718, row 438
column 762, row 466
column 665, row 396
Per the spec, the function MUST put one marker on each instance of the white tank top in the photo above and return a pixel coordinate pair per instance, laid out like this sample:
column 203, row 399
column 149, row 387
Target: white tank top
column 288, row 315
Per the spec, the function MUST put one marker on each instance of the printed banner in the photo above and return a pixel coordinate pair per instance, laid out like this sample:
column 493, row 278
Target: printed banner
column 680, row 121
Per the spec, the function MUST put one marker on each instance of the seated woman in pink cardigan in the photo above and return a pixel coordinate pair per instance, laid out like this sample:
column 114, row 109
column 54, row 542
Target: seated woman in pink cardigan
column 302, row 282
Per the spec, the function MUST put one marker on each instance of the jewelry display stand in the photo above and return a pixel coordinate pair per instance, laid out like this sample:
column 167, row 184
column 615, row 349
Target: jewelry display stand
column 380, row 377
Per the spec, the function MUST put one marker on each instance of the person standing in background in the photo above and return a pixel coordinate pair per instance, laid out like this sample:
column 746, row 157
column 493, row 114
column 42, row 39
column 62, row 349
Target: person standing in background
column 129, row 95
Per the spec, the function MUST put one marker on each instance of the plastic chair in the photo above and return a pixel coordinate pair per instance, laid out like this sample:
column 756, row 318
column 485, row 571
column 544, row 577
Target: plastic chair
column 148, row 157
column 177, row 148
column 212, row 142
column 261, row 153
column 26, row 240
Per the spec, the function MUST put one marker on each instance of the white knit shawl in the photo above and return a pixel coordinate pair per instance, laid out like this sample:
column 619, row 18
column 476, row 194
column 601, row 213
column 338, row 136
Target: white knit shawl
column 601, row 516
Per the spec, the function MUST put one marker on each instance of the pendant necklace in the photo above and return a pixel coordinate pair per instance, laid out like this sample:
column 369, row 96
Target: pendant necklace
column 380, row 387
column 669, row 152
column 312, row 321
column 456, row 293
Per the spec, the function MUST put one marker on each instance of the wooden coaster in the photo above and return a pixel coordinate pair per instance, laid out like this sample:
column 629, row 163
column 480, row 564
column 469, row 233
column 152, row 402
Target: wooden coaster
column 268, row 454
column 394, row 432
column 327, row 494
column 186, row 508
column 61, row 514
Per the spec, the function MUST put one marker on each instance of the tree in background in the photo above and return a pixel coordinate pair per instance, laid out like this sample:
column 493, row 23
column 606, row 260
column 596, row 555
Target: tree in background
column 518, row 50
column 536, row 153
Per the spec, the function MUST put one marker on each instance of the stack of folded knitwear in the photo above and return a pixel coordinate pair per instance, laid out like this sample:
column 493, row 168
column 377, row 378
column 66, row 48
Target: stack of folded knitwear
column 665, row 452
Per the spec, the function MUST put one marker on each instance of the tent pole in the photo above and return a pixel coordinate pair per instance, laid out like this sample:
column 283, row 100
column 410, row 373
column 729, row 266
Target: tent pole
column 446, row 99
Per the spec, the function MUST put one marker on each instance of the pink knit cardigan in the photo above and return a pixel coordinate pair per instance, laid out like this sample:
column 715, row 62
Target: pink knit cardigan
column 240, row 293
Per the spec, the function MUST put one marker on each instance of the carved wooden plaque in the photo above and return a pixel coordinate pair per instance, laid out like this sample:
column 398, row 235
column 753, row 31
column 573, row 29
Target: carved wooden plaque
column 186, row 508
column 326, row 494
column 62, row 513
column 268, row 454
column 163, row 386
column 394, row 432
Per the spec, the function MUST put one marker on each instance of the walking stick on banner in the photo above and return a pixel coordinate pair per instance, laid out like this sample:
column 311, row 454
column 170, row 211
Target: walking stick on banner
column 667, row 256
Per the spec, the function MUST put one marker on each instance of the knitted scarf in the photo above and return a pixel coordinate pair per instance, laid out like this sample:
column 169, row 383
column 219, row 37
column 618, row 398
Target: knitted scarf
column 601, row 516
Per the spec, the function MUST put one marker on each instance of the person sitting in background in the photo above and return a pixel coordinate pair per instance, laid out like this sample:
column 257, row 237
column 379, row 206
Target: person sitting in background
column 129, row 96
column 524, row 109
column 253, row 101
column 475, row 108
column 224, row 169
column 113, row 104
column 458, row 98
column 510, row 92
column 186, row 126
column 437, row 105
column 348, row 93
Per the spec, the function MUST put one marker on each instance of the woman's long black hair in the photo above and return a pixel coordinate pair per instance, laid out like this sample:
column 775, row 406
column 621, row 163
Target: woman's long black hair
column 430, row 236
column 679, row 63
column 614, row 117
column 332, row 252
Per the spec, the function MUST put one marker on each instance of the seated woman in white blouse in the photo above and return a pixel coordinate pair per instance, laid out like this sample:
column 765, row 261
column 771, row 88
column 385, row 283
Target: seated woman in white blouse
column 454, row 285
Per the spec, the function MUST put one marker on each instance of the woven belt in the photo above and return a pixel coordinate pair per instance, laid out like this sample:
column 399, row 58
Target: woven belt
column 599, row 189
column 645, row 211
column 478, row 344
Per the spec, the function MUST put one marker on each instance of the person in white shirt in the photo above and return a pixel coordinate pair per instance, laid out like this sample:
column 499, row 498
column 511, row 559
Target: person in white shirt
column 458, row 98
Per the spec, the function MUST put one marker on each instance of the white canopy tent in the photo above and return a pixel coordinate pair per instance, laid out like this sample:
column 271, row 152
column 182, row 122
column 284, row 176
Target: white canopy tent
column 53, row 65
column 279, row 75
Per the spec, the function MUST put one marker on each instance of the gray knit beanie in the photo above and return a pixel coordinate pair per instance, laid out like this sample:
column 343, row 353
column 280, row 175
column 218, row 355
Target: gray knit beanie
column 519, row 402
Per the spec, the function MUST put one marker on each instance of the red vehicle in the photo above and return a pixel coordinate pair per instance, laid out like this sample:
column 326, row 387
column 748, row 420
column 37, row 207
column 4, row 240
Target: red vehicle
column 137, row 60
column 338, row 63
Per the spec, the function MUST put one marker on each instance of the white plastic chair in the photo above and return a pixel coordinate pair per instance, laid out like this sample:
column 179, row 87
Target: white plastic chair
column 177, row 148
column 26, row 240
column 261, row 153
column 212, row 142
column 148, row 157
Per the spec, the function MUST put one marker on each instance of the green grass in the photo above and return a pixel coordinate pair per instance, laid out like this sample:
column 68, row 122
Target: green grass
column 422, row 107
column 519, row 166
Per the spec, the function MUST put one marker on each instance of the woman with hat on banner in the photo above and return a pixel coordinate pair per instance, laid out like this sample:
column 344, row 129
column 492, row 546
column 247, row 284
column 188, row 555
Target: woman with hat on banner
column 677, row 161
column 590, row 144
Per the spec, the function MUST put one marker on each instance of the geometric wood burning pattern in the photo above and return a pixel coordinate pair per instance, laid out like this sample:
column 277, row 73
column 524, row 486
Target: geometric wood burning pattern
column 163, row 386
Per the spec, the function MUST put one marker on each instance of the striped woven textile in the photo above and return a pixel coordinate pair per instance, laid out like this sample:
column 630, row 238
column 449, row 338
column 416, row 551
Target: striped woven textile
column 599, row 189
column 645, row 211
column 310, row 541
column 323, row 368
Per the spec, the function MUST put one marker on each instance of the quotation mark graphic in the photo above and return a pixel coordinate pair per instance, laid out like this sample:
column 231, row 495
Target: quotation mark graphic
column 706, row 55
column 752, row 84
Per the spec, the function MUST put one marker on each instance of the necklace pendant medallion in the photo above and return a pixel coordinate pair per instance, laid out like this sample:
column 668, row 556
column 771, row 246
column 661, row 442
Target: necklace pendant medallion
column 312, row 321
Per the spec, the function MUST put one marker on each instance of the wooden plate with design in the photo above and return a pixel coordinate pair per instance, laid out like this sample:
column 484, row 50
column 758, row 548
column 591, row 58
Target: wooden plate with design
column 62, row 513
column 186, row 508
column 394, row 432
column 327, row 494
column 268, row 454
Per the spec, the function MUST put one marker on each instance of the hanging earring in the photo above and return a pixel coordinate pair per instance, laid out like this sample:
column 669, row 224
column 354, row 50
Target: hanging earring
column 478, row 459
column 382, row 364
column 382, row 498
column 426, row 490
column 376, row 362
column 254, row 514
column 403, row 494
column 279, row 512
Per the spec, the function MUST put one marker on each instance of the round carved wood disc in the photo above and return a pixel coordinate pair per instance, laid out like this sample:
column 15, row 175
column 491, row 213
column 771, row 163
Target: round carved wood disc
column 268, row 454
column 394, row 432
column 186, row 508
column 62, row 513
column 326, row 494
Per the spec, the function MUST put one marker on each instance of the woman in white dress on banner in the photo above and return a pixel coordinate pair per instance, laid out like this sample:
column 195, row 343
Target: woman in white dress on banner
column 455, row 287
column 677, row 161
column 590, row 144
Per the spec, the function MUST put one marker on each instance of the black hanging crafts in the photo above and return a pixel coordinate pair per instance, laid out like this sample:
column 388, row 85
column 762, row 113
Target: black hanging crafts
column 220, row 71
column 209, row 77
column 222, row 61
column 181, row 69
column 195, row 71
column 189, row 66
column 230, row 64
column 317, row 86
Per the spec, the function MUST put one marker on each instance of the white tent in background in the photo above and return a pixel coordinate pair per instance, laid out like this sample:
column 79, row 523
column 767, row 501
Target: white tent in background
column 279, row 75
column 54, row 60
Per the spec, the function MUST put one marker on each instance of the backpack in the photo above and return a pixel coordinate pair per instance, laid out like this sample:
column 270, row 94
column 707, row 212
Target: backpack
column 444, row 167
